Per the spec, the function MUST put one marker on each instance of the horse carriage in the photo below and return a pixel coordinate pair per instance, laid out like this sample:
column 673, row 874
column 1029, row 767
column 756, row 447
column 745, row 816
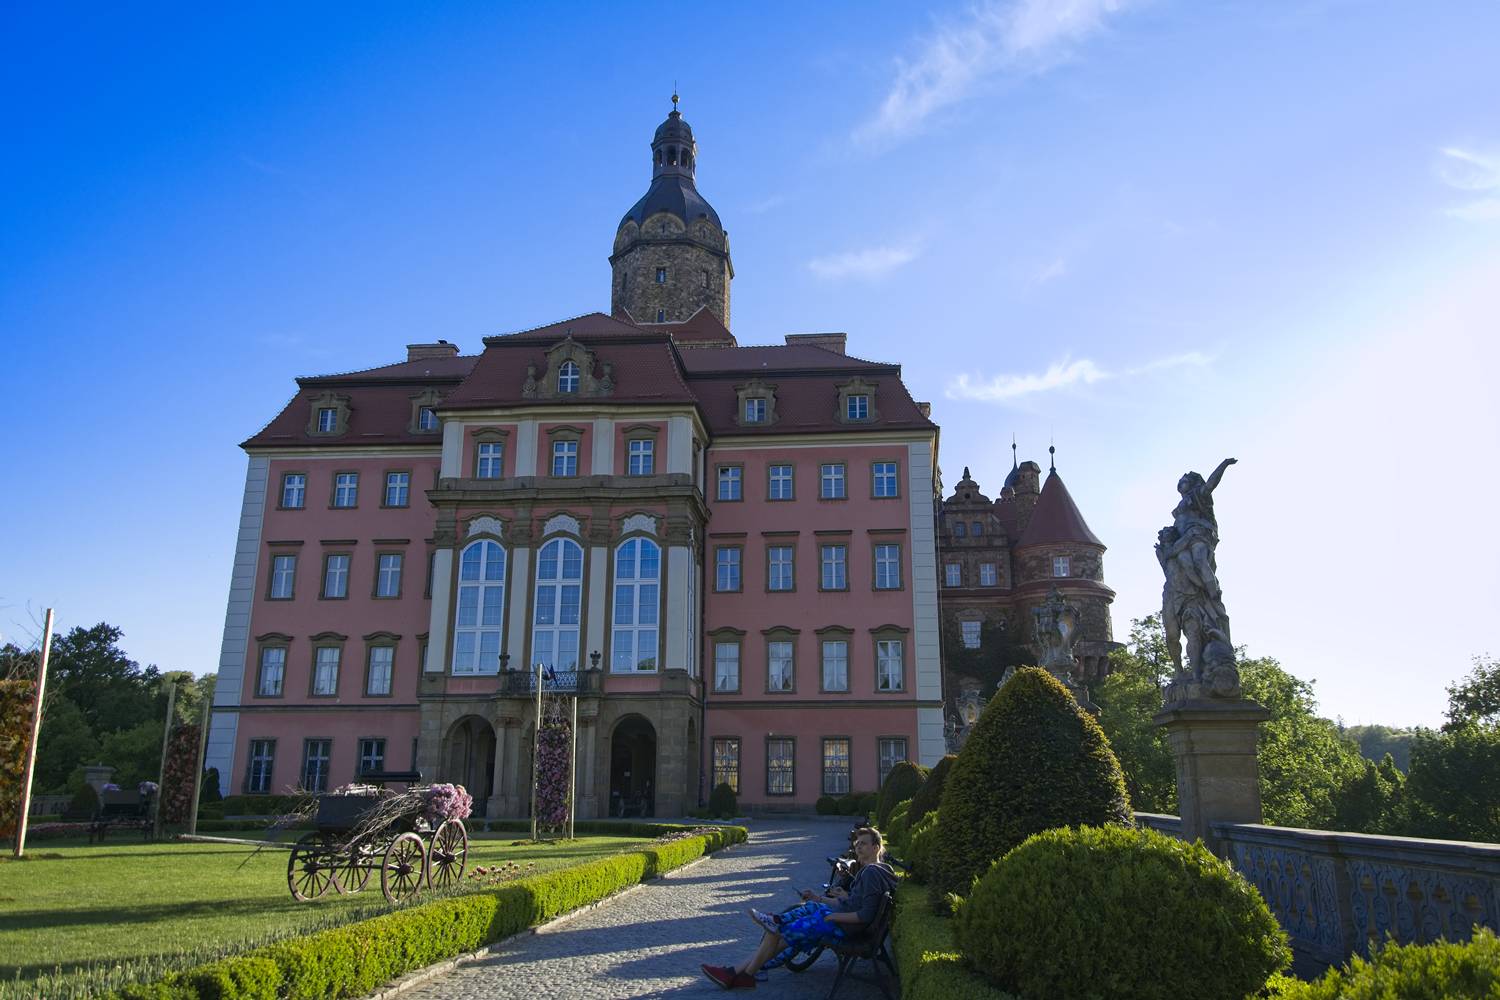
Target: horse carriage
column 367, row 828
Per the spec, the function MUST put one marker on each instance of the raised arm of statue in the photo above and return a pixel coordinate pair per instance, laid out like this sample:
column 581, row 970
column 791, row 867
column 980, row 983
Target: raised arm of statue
column 1213, row 480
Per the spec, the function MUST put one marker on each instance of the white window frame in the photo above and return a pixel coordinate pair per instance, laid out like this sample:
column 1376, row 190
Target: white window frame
column 661, row 276
column 558, row 604
column 890, row 665
column 489, row 460
column 891, row 751
column 781, row 568
column 320, row 784
column 635, row 617
column 833, row 481
column 840, row 783
column 888, row 566
column 398, row 489
column 970, row 632
column 383, row 657
column 835, row 664
column 857, row 406
column 564, row 459
column 479, row 616
column 887, row 479
column 427, row 419
column 779, row 653
column 326, row 662
column 755, row 409
column 780, row 483
column 953, row 575
column 726, row 762
column 728, row 563
column 568, row 378
column 731, row 482
column 328, row 419
column 262, row 764
column 989, row 575
column 642, row 457
column 834, row 563
column 336, row 576
column 269, row 669
column 726, row 666
column 294, row 487
column 371, row 754
column 1061, row 566
column 388, row 570
column 346, row 490
column 283, row 577
column 785, row 749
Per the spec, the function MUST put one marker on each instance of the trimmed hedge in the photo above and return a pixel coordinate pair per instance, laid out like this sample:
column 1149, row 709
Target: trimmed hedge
column 904, row 781
column 1158, row 913
column 896, row 829
column 722, row 802
column 1035, row 761
column 930, row 795
column 919, row 843
column 358, row 958
column 1444, row 970
column 927, row 960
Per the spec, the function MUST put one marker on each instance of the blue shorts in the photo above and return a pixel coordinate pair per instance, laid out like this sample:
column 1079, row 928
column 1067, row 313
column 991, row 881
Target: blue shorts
column 804, row 928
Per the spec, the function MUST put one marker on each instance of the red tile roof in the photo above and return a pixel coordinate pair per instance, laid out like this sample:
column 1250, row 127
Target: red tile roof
column 1056, row 518
column 645, row 372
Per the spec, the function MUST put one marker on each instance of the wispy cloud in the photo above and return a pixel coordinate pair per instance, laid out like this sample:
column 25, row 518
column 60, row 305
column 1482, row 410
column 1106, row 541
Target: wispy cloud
column 871, row 263
column 1054, row 270
column 1059, row 375
column 995, row 36
column 1473, row 173
column 765, row 205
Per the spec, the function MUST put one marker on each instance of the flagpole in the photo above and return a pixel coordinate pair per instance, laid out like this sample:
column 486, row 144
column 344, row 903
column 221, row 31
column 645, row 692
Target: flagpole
column 28, row 772
column 536, row 748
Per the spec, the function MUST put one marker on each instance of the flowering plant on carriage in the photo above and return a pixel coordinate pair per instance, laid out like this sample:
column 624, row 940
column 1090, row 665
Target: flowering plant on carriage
column 356, row 788
column 445, row 802
column 109, row 786
column 147, row 788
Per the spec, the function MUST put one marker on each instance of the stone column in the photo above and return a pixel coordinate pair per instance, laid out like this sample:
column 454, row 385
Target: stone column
column 588, row 799
column 510, row 803
column 1218, row 779
column 495, row 806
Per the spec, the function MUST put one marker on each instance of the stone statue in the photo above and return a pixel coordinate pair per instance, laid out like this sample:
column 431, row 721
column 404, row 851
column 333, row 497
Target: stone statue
column 607, row 383
column 1058, row 625
column 1193, row 614
column 530, row 387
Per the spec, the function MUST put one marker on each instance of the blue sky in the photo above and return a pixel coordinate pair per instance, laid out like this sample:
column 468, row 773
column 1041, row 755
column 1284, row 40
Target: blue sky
column 1156, row 232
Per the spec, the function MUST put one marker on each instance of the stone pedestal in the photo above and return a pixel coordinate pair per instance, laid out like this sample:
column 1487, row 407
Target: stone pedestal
column 96, row 776
column 1218, row 779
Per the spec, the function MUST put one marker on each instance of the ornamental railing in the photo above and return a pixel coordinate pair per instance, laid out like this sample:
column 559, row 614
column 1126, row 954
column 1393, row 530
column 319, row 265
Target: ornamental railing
column 519, row 683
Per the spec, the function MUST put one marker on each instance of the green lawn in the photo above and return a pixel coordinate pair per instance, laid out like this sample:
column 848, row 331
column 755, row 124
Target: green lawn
column 72, row 905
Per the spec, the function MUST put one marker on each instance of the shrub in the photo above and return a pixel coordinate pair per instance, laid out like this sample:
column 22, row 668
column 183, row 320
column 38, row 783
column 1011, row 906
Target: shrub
column 827, row 805
column 84, row 805
column 1034, row 761
column 904, row 781
column 1444, row 970
column 865, row 804
column 210, row 791
column 919, row 845
column 930, row 795
column 895, row 831
column 1204, row 924
column 721, row 801
column 927, row 960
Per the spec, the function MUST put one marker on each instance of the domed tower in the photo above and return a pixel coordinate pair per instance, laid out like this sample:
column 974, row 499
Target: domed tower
column 671, row 255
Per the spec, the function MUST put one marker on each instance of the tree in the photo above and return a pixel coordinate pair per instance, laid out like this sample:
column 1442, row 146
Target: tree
column 1453, row 790
column 1476, row 698
column 1128, row 699
column 1372, row 801
column 111, row 689
column 1379, row 742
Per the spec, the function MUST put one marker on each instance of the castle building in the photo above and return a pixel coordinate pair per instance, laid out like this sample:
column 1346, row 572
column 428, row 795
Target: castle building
column 998, row 561
column 726, row 553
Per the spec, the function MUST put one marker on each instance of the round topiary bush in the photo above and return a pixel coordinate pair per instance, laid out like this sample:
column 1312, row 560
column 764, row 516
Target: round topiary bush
column 919, row 846
column 904, row 781
column 721, row 801
column 1162, row 918
column 930, row 795
column 847, row 805
column 1453, row 970
column 865, row 804
column 1034, row 761
column 826, row 805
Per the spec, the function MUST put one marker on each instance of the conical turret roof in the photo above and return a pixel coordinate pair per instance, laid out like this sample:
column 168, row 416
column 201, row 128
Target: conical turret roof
column 1056, row 518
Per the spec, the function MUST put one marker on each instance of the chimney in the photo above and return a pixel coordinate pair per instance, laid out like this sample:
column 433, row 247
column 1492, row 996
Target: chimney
column 828, row 341
column 442, row 349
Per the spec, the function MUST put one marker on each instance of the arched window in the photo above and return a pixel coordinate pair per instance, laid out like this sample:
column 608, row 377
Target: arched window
column 479, row 622
column 559, row 595
column 637, row 603
column 567, row 377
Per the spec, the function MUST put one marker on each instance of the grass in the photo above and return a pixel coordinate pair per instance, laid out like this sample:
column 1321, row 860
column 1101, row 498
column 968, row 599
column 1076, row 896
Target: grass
column 69, row 907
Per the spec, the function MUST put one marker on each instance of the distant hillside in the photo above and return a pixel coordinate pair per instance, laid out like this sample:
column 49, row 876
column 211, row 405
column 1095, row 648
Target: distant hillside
column 1377, row 741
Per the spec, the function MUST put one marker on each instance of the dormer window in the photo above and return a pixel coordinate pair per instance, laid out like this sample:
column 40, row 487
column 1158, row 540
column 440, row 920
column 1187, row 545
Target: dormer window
column 755, row 410
column 427, row 419
column 328, row 419
column 661, row 276
column 858, row 407
column 567, row 378
column 329, row 416
column 856, row 403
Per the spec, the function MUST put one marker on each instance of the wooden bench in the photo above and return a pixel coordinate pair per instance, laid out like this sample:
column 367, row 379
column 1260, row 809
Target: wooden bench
column 869, row 942
column 117, row 808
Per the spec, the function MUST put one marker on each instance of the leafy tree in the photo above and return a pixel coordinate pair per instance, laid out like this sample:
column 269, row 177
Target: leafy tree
column 1128, row 699
column 1379, row 742
column 1372, row 801
column 1476, row 698
column 111, row 689
column 135, row 753
column 1453, row 790
column 66, row 741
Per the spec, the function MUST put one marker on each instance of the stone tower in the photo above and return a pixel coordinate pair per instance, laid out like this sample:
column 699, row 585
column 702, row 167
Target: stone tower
column 671, row 256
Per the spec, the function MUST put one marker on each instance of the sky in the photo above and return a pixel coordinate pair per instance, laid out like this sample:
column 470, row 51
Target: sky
column 1155, row 233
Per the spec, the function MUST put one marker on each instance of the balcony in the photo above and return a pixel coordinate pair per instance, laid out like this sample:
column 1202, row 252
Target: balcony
column 522, row 683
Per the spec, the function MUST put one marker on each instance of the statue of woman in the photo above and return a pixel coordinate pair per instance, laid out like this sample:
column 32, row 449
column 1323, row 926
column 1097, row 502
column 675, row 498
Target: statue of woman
column 1192, row 600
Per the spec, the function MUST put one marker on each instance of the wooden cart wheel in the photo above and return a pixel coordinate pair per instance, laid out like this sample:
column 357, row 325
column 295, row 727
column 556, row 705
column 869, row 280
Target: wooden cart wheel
column 450, row 851
column 310, row 869
column 403, row 868
column 354, row 870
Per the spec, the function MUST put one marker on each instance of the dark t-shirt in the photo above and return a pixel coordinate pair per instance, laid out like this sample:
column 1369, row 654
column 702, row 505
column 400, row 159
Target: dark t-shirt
column 869, row 885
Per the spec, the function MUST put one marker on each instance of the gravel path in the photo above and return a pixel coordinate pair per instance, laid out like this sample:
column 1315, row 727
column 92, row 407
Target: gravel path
column 650, row 941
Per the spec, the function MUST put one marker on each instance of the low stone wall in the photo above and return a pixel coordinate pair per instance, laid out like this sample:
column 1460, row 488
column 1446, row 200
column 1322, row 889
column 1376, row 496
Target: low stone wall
column 1161, row 823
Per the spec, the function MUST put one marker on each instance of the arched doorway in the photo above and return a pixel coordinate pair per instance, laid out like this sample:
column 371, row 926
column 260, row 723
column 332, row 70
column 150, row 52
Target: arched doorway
column 632, row 768
column 469, row 759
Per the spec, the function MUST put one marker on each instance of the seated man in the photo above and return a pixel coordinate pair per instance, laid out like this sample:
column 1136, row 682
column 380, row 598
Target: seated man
column 817, row 921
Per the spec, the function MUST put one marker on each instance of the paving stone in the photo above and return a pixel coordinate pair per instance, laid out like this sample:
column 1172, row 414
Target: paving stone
column 650, row 941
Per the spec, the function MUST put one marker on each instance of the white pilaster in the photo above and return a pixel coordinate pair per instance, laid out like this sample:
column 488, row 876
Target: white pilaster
column 679, row 565
column 452, row 465
column 526, row 447
column 603, row 446
column 930, row 743
column 926, row 652
column 235, row 643
column 519, row 572
column 598, row 603
column 679, row 445
column 442, row 601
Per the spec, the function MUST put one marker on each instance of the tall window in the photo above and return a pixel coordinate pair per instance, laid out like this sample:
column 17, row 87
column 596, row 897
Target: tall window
column 637, row 602
column 489, row 460
column 262, row 761
column 388, row 575
column 727, row 567
column 831, row 479
column 858, row 407
column 892, row 752
column 755, row 409
column 661, row 276
column 565, row 458
column 559, row 592
column 836, row 766
column 835, row 564
column 727, row 763
column 1060, row 566
column 294, row 490
column 326, row 671
column 780, row 667
column 888, row 670
column 382, row 665
column 397, row 489
column 977, row 529
column 427, row 419
column 884, row 483
column 642, row 459
column 567, row 377
column 315, row 765
column 958, row 529
column 328, row 419
column 371, row 756
column 479, row 623
column 336, row 576
column 729, row 482
column 780, row 567
column 283, row 577
column 953, row 575
column 781, row 766
column 346, row 489
column 726, row 666
column 272, row 671
column 971, row 634
column 780, row 487
column 887, row 567
column 987, row 575
column 835, row 665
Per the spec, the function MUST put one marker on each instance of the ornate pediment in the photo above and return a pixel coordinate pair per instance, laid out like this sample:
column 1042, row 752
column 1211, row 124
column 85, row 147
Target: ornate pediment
column 571, row 372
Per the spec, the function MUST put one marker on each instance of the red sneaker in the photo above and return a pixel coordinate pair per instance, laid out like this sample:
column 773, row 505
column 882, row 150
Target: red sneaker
column 721, row 974
column 742, row 981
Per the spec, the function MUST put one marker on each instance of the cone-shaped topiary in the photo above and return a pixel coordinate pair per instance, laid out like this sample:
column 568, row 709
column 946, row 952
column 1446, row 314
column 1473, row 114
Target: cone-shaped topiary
column 1122, row 913
column 1035, row 761
column 721, row 801
column 919, row 846
column 904, row 781
column 930, row 795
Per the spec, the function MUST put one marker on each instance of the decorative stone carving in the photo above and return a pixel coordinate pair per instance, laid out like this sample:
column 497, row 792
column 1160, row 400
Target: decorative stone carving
column 528, row 388
column 565, row 523
column 1058, row 625
column 486, row 524
column 607, row 382
column 1301, row 890
column 1192, row 600
column 545, row 386
column 1415, row 904
column 638, row 522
